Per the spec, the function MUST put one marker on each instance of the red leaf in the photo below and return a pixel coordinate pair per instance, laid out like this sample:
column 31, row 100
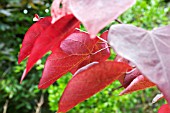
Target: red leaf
column 31, row 35
column 139, row 83
column 51, row 37
column 148, row 50
column 96, row 14
column 104, row 49
column 101, row 51
column 164, row 109
column 57, row 11
column 62, row 61
column 90, row 80
column 130, row 76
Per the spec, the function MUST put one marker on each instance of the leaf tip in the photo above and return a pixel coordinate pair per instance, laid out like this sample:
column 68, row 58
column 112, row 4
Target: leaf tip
column 23, row 75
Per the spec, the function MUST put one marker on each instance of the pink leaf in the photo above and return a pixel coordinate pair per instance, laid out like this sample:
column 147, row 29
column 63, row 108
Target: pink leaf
column 148, row 50
column 96, row 14
column 164, row 109
column 51, row 38
column 139, row 83
column 58, row 11
column 31, row 35
column 90, row 80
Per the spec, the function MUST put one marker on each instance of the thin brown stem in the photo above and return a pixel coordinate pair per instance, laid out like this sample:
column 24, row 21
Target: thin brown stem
column 118, row 21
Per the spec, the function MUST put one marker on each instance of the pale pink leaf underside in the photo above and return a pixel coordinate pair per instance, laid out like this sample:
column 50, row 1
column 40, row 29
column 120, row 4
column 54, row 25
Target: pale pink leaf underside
column 57, row 11
column 96, row 14
column 148, row 50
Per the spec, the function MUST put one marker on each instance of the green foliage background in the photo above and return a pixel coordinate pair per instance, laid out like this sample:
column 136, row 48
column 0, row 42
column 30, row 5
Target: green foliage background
column 15, row 19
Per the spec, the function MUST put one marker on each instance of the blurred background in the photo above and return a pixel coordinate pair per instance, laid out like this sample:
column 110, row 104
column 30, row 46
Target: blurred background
column 15, row 19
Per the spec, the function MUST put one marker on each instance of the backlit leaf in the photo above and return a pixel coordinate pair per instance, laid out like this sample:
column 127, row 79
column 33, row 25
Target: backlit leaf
column 67, row 58
column 148, row 50
column 51, row 38
column 90, row 80
column 59, row 9
column 31, row 35
column 96, row 14
column 80, row 52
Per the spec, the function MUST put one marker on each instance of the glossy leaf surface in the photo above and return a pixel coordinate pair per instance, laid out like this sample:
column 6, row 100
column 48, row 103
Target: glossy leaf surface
column 96, row 14
column 148, row 50
column 90, row 80
column 31, row 35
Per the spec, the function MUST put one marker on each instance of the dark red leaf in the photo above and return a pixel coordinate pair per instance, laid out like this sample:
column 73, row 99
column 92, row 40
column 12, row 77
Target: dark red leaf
column 31, row 35
column 148, row 50
column 90, row 80
column 51, row 37
column 67, row 58
column 164, row 109
column 130, row 76
column 139, row 83
column 96, row 14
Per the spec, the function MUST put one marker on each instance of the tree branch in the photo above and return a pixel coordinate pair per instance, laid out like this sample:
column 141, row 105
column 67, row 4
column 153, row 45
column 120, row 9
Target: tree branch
column 39, row 104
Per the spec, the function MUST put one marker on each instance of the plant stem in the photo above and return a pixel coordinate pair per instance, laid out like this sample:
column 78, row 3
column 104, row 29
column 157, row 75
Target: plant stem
column 119, row 21
column 100, row 50
column 40, row 103
column 5, row 106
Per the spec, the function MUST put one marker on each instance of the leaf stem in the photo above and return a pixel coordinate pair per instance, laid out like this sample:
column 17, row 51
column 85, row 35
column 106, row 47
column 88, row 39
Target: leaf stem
column 102, row 39
column 118, row 21
column 100, row 50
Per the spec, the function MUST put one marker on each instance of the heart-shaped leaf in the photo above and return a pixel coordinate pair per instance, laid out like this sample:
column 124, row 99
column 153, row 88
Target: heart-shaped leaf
column 67, row 58
column 164, row 109
column 31, row 35
column 80, row 52
column 51, row 38
column 139, row 83
column 96, row 14
column 148, row 50
column 90, row 80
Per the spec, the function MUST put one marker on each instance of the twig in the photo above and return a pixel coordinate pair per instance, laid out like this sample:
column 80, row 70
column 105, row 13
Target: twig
column 113, row 89
column 119, row 21
column 5, row 106
column 39, row 104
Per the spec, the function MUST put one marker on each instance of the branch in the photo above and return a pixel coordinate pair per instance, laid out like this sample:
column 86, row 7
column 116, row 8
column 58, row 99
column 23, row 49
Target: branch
column 39, row 104
column 119, row 21
column 5, row 106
